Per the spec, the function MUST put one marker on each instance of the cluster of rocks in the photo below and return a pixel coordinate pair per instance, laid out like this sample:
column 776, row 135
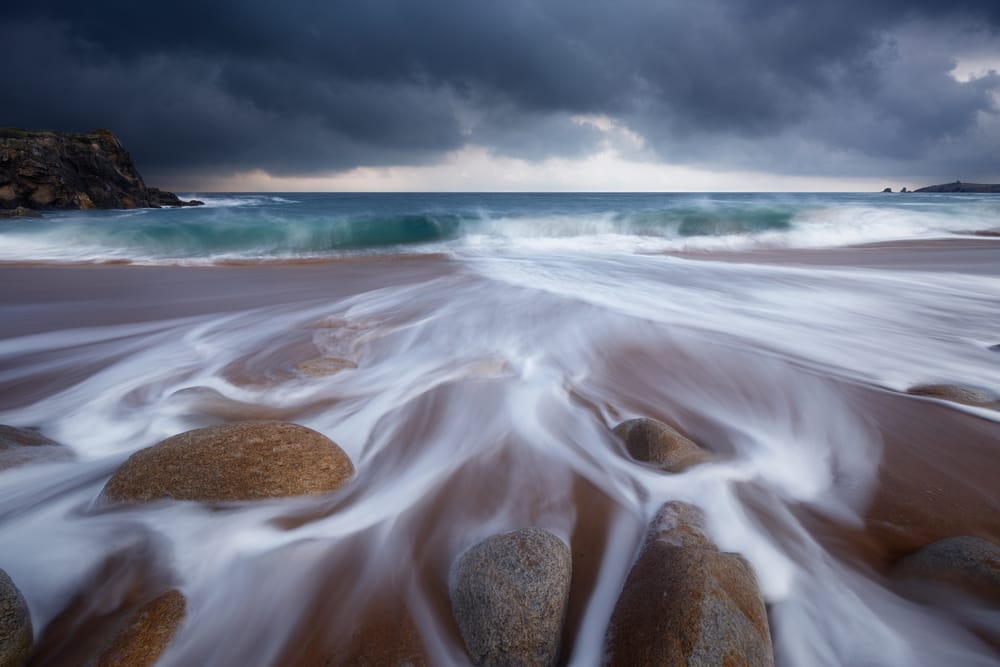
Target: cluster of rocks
column 242, row 461
column 63, row 170
column 684, row 601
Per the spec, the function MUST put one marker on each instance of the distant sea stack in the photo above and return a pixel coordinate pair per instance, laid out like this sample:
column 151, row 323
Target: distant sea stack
column 63, row 170
column 959, row 186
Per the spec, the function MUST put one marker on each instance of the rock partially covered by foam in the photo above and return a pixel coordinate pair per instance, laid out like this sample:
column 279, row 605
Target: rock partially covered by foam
column 654, row 442
column 685, row 603
column 20, row 446
column 147, row 633
column 15, row 625
column 954, row 393
column 509, row 595
column 239, row 461
column 968, row 563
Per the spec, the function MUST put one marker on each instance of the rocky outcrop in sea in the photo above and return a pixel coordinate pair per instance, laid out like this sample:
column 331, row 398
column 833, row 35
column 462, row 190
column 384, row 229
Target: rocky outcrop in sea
column 959, row 186
column 64, row 170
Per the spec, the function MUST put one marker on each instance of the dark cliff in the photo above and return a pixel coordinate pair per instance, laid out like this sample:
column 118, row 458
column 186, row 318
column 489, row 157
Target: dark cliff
column 62, row 170
column 959, row 186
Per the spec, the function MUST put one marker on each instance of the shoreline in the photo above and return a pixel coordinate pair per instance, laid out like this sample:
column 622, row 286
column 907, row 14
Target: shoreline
column 458, row 451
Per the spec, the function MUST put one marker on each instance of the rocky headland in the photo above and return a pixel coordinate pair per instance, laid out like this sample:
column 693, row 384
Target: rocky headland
column 959, row 186
column 61, row 170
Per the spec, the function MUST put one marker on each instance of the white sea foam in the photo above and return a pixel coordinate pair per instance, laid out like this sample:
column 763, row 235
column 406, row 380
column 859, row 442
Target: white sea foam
column 508, row 372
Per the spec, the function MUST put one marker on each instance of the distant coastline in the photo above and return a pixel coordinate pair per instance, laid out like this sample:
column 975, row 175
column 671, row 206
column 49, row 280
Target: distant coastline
column 957, row 186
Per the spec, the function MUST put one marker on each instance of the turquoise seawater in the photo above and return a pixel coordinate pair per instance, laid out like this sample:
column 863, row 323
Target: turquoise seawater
column 288, row 226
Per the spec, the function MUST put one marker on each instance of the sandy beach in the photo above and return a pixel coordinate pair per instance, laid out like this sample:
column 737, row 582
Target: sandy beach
column 453, row 438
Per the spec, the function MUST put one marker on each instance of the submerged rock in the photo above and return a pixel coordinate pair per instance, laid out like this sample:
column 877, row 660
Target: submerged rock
column 240, row 461
column 19, row 212
column 15, row 625
column 685, row 603
column 968, row 563
column 951, row 392
column 19, row 446
column 652, row 441
column 509, row 595
column 147, row 633
column 64, row 170
column 325, row 366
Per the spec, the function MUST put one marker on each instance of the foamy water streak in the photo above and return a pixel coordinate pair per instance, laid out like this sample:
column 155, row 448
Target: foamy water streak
column 482, row 402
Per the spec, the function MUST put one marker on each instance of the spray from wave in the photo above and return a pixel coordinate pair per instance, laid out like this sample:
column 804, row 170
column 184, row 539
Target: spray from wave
column 266, row 227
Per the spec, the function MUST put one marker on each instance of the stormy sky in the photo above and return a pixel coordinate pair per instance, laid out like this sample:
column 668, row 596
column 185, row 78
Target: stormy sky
column 519, row 94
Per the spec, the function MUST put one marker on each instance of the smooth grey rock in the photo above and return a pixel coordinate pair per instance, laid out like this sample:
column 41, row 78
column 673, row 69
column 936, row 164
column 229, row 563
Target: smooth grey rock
column 15, row 625
column 652, row 441
column 509, row 595
column 969, row 563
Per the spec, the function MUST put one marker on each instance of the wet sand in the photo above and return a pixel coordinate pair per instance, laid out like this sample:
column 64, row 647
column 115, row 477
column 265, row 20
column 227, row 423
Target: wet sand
column 378, row 593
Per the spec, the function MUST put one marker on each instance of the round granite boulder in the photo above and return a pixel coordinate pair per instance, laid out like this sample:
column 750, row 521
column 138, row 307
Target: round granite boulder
column 968, row 563
column 15, row 625
column 240, row 461
column 686, row 604
column 509, row 596
column 659, row 444
column 147, row 633
column 19, row 446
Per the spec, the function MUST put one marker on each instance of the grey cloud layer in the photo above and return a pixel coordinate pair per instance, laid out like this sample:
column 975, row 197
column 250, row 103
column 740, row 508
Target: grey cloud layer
column 826, row 88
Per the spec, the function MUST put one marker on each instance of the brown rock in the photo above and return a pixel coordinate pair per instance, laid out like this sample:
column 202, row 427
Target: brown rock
column 970, row 564
column 951, row 392
column 652, row 441
column 509, row 595
column 239, row 461
column 15, row 625
column 147, row 634
column 687, row 604
column 325, row 366
column 19, row 446
column 20, row 212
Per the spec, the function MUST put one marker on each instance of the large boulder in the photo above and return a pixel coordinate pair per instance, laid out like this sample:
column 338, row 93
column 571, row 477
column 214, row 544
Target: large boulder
column 687, row 604
column 240, row 461
column 147, row 633
column 509, row 595
column 968, row 563
column 659, row 444
column 15, row 625
column 19, row 446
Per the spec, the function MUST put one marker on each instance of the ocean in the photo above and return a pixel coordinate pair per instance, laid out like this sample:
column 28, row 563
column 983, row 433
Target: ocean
column 491, row 342
column 306, row 226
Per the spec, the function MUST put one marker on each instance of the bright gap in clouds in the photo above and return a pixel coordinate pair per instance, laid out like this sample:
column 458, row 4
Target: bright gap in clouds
column 621, row 164
column 475, row 169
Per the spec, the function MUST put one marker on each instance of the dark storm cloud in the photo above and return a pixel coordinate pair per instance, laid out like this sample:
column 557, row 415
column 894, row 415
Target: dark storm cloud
column 308, row 87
